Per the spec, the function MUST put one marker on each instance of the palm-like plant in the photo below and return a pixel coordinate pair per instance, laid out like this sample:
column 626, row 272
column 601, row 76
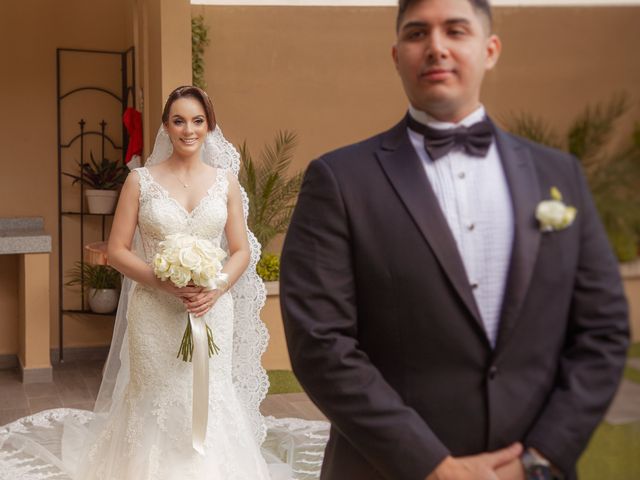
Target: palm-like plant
column 271, row 192
column 613, row 173
column 94, row 276
column 106, row 175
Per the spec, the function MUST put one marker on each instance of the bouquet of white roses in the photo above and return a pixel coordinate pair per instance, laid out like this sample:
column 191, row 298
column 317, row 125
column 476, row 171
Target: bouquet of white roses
column 185, row 259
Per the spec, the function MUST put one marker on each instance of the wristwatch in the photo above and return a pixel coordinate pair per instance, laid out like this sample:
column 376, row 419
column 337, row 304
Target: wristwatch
column 536, row 467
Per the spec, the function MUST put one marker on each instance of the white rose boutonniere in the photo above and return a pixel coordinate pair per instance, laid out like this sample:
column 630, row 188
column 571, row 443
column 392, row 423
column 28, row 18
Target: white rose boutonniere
column 554, row 214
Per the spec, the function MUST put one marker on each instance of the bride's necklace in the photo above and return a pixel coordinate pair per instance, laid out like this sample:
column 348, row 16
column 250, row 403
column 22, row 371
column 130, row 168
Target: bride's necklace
column 184, row 185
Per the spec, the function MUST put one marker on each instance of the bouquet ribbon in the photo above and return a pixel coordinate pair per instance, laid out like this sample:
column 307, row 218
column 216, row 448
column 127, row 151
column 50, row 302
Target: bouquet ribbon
column 200, row 395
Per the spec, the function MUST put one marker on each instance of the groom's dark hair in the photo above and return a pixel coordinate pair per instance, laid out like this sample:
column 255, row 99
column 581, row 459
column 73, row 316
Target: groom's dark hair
column 193, row 92
column 483, row 7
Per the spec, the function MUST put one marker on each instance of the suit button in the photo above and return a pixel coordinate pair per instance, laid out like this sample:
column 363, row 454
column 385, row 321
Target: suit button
column 493, row 371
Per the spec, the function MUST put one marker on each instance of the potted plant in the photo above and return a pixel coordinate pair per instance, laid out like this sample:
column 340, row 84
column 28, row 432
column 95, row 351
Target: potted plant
column 268, row 269
column 103, row 282
column 272, row 195
column 102, row 181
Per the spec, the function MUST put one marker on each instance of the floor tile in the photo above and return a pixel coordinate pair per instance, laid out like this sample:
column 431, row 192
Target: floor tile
column 35, row 390
column 8, row 415
column 81, row 405
column 44, row 403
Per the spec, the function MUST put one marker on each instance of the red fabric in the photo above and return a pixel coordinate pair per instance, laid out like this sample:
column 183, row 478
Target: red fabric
column 132, row 119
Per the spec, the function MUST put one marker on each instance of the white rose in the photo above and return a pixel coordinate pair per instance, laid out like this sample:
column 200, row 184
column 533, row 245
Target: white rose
column 160, row 266
column 208, row 273
column 189, row 258
column 209, row 250
column 554, row 214
column 179, row 276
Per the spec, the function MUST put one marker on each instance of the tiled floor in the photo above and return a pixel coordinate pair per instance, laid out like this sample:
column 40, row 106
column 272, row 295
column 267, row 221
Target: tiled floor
column 76, row 384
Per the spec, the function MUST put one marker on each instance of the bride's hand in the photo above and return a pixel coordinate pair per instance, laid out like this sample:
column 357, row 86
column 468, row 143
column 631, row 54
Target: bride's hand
column 181, row 292
column 201, row 303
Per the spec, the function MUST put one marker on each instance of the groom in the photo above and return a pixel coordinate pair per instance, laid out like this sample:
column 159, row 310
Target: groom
column 450, row 321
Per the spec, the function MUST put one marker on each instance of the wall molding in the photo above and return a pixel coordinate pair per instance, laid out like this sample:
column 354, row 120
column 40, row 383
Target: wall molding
column 394, row 3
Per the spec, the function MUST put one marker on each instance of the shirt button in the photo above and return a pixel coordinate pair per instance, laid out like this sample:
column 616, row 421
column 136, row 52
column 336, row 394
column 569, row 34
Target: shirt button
column 493, row 372
column 461, row 175
column 474, row 286
column 471, row 226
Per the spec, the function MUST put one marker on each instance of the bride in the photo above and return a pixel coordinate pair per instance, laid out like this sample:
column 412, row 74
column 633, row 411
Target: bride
column 157, row 416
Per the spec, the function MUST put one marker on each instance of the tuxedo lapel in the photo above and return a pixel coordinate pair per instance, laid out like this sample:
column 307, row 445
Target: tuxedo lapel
column 404, row 170
column 525, row 196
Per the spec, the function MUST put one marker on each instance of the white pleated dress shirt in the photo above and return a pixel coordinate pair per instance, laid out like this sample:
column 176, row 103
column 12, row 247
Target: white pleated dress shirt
column 474, row 197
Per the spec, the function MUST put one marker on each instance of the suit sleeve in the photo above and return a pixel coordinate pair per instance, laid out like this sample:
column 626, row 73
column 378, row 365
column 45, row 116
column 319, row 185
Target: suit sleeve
column 594, row 354
column 318, row 296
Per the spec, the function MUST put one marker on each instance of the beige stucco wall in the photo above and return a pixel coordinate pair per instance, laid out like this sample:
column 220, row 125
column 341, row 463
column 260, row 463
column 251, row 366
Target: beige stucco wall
column 327, row 73
column 324, row 72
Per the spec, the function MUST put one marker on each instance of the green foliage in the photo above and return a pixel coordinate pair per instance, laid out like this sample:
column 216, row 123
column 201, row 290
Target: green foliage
column 271, row 193
column 105, row 175
column 199, row 40
column 612, row 453
column 269, row 267
column 613, row 172
column 283, row 381
column 533, row 128
column 613, row 450
column 95, row 276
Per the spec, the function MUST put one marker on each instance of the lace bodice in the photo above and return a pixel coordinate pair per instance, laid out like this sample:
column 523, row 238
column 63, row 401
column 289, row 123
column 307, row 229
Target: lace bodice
column 160, row 214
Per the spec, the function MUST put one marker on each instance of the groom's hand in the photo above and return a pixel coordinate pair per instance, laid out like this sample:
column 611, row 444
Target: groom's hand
column 514, row 470
column 476, row 467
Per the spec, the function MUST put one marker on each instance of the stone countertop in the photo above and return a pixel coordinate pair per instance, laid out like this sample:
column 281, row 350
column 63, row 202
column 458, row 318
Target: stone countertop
column 23, row 235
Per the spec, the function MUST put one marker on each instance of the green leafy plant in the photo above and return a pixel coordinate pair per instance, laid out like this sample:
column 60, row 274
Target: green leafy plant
column 271, row 192
column 105, row 175
column 95, row 276
column 613, row 171
column 269, row 267
column 199, row 40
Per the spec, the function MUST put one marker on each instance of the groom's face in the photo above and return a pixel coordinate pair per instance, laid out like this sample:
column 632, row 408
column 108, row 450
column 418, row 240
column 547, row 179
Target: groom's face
column 443, row 49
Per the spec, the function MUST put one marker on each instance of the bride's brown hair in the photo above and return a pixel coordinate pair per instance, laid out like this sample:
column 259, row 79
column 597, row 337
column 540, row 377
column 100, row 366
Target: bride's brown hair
column 193, row 92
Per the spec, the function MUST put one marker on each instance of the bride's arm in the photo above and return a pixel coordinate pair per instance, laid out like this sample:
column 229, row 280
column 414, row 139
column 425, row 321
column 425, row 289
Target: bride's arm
column 236, row 232
column 121, row 237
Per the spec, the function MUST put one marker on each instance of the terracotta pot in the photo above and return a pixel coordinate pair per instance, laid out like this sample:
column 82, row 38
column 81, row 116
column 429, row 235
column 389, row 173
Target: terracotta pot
column 103, row 300
column 102, row 201
column 96, row 253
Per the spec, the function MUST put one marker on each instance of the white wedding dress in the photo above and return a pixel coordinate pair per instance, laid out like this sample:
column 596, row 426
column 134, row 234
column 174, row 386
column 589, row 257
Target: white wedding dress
column 149, row 436
column 145, row 433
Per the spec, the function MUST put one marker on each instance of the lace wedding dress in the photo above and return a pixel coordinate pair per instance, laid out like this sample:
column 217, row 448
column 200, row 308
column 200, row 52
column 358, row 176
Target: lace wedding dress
column 149, row 436
column 145, row 433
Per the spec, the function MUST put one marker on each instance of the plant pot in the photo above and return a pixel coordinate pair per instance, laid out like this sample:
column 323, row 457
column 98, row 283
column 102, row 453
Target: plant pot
column 103, row 300
column 102, row 201
column 96, row 253
column 273, row 288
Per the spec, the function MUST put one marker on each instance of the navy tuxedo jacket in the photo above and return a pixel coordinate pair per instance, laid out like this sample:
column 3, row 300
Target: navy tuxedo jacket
column 385, row 336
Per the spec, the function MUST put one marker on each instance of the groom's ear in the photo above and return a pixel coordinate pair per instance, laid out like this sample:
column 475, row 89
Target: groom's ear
column 394, row 55
column 493, row 50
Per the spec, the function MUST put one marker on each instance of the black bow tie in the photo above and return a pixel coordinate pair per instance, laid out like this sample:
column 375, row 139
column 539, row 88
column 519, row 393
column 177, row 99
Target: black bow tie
column 475, row 140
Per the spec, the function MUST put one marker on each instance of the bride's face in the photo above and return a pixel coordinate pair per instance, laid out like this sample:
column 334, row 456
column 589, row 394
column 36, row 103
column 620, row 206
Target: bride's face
column 187, row 126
